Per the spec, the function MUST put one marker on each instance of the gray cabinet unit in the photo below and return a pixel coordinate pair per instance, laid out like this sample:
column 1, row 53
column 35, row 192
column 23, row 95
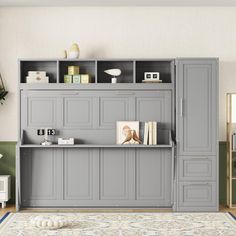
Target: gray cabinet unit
column 153, row 175
column 116, row 177
column 197, row 107
column 79, row 181
column 197, row 135
column 40, row 176
column 180, row 172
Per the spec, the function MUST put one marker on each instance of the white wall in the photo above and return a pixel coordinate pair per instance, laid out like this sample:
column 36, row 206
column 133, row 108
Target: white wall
column 115, row 32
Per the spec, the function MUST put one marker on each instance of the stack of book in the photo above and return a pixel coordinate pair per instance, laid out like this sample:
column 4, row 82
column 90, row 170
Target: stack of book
column 75, row 77
column 150, row 133
column 37, row 77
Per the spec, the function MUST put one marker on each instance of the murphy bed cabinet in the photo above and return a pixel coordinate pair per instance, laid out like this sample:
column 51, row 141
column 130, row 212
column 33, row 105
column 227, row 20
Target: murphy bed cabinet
column 180, row 172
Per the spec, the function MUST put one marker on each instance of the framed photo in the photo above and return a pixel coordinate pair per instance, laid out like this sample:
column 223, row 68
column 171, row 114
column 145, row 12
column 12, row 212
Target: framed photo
column 127, row 132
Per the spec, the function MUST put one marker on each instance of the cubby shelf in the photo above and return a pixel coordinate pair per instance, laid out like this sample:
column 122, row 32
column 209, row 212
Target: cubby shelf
column 132, row 70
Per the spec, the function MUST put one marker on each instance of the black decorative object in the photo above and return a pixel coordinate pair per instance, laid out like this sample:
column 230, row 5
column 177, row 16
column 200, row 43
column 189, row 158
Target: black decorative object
column 3, row 91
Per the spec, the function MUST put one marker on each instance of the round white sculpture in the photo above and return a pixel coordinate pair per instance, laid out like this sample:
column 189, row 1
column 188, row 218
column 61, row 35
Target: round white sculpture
column 49, row 222
column 114, row 73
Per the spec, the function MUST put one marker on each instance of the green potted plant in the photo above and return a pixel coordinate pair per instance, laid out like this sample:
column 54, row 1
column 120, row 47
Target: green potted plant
column 3, row 91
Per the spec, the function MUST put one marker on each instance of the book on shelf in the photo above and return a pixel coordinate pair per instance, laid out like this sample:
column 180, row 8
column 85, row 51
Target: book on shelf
column 150, row 132
column 141, row 131
column 145, row 136
column 154, row 133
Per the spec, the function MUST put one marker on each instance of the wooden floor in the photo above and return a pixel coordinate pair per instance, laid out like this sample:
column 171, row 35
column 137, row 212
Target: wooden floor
column 11, row 208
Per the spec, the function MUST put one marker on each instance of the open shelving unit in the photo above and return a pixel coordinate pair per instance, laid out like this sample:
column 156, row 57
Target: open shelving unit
column 231, row 153
column 132, row 70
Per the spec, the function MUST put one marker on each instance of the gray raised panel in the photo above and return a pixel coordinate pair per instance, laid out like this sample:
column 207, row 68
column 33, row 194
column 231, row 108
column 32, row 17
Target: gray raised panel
column 197, row 194
column 113, row 108
column 114, row 174
column 154, row 106
column 39, row 175
column 39, row 110
column 78, row 112
column 196, row 107
column 78, row 174
column 197, row 168
column 153, row 175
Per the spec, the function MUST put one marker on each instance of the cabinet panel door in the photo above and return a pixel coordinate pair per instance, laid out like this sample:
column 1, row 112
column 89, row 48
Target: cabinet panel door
column 113, row 107
column 154, row 106
column 78, row 174
column 38, row 109
column 153, row 175
column 39, row 175
column 197, row 107
column 114, row 174
column 197, row 168
column 197, row 194
column 78, row 110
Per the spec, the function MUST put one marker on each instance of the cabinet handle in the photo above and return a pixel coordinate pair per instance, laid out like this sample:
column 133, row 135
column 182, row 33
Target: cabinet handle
column 70, row 94
column 198, row 158
column 125, row 93
column 181, row 107
column 198, row 184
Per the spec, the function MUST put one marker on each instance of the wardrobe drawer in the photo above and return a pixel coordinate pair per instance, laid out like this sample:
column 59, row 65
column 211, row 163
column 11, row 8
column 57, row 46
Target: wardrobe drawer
column 197, row 168
column 197, row 194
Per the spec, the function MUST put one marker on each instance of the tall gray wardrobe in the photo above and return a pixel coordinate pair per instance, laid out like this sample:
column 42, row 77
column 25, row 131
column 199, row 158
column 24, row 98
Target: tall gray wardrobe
column 179, row 172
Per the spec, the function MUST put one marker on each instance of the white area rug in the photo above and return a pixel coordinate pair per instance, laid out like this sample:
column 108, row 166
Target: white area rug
column 125, row 224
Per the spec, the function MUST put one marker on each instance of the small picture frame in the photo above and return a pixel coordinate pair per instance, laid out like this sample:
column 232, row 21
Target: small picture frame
column 127, row 132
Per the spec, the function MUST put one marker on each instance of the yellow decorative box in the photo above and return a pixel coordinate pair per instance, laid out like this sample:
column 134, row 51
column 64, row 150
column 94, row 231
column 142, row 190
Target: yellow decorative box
column 85, row 78
column 73, row 70
column 68, row 79
column 76, row 79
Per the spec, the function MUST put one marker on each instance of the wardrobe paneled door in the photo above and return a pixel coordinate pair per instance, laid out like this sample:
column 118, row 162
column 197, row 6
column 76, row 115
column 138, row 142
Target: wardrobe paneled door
column 197, row 134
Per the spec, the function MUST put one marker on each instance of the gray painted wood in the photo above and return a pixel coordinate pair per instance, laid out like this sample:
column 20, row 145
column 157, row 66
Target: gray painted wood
column 154, row 165
column 97, row 173
column 78, row 174
column 114, row 174
column 197, row 194
column 197, row 168
column 196, row 107
column 39, row 175
column 197, row 135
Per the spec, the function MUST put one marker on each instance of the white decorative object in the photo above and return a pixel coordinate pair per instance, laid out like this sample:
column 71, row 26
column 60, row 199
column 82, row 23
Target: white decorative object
column 37, row 77
column 65, row 141
column 113, row 72
column 113, row 80
column 73, row 52
column 49, row 222
column 5, row 189
column 152, row 75
column 30, row 80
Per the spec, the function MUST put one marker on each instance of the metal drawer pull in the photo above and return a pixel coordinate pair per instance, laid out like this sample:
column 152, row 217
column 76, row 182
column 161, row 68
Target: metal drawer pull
column 70, row 94
column 181, row 107
column 125, row 93
column 197, row 184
